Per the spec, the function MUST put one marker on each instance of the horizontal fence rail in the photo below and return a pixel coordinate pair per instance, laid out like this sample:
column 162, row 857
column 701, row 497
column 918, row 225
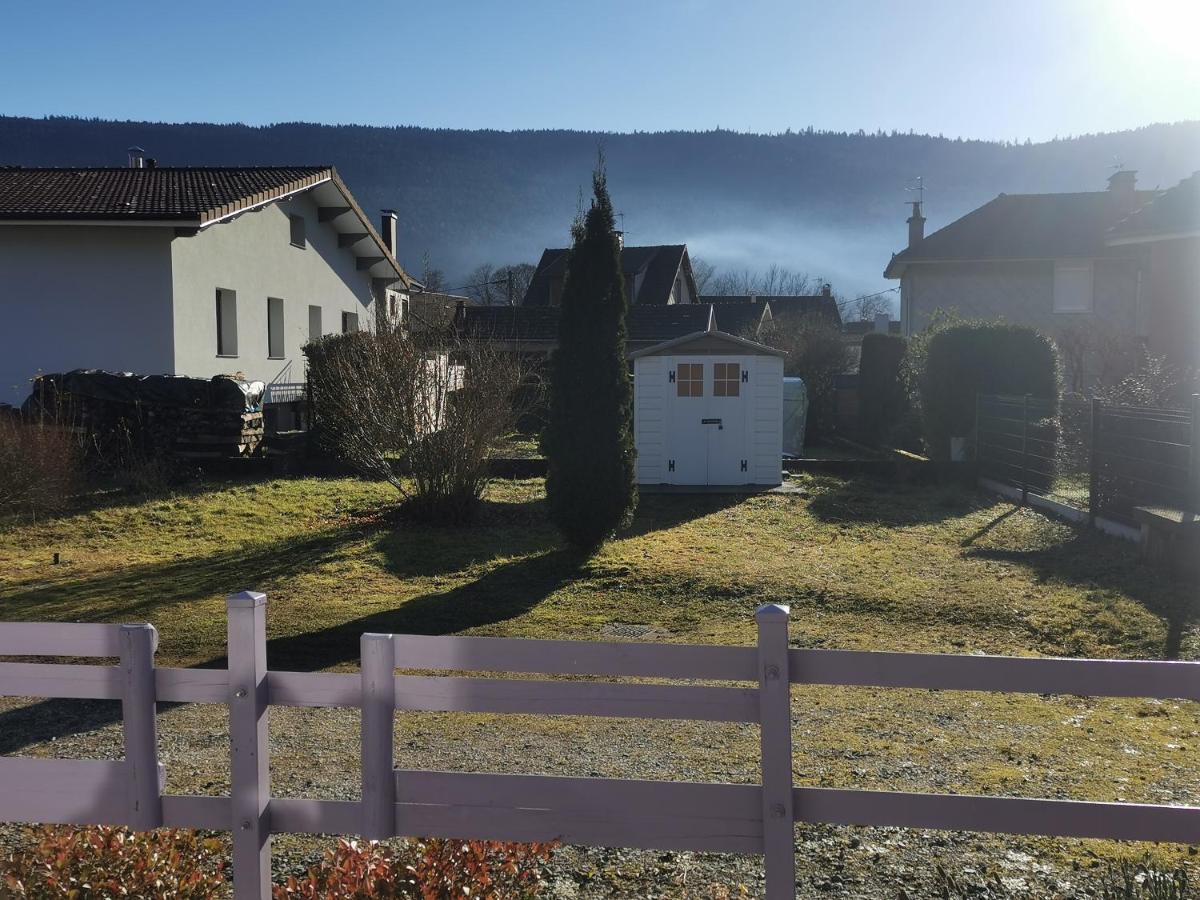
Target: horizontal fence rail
column 738, row 818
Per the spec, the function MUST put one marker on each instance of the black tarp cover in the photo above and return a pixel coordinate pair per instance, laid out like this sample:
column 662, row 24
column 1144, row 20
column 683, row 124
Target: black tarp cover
column 180, row 391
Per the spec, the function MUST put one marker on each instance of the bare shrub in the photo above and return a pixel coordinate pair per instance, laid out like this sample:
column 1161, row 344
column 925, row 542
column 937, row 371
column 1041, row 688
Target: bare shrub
column 39, row 467
column 422, row 413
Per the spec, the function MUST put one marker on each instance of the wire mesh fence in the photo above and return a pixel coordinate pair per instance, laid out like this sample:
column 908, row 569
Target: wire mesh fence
column 1104, row 459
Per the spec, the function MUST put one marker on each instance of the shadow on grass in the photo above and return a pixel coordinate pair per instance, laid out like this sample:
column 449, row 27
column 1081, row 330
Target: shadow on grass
column 873, row 501
column 1090, row 559
column 662, row 512
column 505, row 591
column 146, row 592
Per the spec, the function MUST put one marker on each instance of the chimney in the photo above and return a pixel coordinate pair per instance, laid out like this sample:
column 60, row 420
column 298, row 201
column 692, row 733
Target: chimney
column 826, row 290
column 137, row 158
column 387, row 228
column 883, row 322
column 1122, row 184
column 916, row 224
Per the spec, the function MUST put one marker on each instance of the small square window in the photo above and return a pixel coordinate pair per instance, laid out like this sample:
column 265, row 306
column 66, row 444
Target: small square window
column 1073, row 287
column 296, row 227
column 727, row 379
column 689, row 380
column 349, row 322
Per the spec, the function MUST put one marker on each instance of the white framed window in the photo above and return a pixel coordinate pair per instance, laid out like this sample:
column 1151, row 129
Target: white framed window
column 349, row 322
column 226, row 322
column 297, row 231
column 314, row 323
column 1073, row 284
column 275, row 328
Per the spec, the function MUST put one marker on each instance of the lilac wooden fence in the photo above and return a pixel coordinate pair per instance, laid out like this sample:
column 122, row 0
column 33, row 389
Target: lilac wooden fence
column 756, row 819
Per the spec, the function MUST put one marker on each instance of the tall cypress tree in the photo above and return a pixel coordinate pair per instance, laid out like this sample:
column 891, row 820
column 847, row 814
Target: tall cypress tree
column 589, row 438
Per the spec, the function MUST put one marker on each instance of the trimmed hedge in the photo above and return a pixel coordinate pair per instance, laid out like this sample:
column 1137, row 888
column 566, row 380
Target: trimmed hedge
column 882, row 397
column 962, row 361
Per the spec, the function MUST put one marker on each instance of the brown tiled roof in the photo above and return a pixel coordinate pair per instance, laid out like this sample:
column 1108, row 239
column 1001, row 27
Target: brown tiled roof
column 126, row 194
column 1175, row 212
column 432, row 311
column 823, row 305
column 540, row 323
column 739, row 318
column 658, row 265
column 781, row 305
column 512, row 323
column 662, row 323
column 862, row 327
column 1024, row 226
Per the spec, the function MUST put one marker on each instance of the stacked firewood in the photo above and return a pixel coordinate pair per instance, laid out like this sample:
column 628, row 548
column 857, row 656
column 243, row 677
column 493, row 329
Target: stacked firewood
column 158, row 416
column 216, row 434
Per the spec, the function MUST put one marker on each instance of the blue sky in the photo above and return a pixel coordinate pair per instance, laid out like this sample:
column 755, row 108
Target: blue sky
column 972, row 68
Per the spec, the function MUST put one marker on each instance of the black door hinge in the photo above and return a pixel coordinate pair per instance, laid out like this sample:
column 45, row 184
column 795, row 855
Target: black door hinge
column 743, row 465
column 670, row 465
column 745, row 376
column 671, row 377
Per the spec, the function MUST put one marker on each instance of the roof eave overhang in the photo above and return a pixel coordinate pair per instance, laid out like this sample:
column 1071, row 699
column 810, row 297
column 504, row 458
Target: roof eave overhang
column 119, row 223
column 1125, row 240
column 383, row 265
column 744, row 343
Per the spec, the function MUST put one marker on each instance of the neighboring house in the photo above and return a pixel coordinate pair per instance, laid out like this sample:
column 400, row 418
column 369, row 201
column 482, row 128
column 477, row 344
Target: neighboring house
column 534, row 330
column 1033, row 259
column 654, row 276
column 1166, row 231
column 787, row 306
column 428, row 311
column 188, row 271
column 746, row 320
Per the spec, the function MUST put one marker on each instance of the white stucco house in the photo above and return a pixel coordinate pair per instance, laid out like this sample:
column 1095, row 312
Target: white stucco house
column 187, row 271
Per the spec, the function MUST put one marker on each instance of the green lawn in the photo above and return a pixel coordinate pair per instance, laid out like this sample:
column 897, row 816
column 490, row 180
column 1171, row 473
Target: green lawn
column 864, row 565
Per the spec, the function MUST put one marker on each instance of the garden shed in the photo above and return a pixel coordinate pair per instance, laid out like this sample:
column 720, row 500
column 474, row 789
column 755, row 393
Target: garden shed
column 708, row 410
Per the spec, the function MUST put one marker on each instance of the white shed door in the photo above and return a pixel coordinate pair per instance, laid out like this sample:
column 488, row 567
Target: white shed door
column 726, row 427
column 707, row 442
column 687, row 447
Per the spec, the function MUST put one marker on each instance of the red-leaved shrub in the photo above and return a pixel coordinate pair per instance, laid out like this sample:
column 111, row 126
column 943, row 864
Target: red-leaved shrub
column 99, row 862
column 436, row 870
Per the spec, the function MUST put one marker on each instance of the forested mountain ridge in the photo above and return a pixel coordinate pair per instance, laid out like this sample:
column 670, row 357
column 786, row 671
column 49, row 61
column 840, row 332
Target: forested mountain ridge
column 828, row 203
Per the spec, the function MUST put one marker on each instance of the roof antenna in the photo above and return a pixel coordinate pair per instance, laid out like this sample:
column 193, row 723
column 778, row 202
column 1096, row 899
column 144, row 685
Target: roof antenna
column 918, row 188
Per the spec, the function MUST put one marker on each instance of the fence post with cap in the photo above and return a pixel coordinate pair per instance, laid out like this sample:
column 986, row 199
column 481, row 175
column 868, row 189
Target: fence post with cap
column 378, row 652
column 775, row 735
column 250, row 778
column 138, row 643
